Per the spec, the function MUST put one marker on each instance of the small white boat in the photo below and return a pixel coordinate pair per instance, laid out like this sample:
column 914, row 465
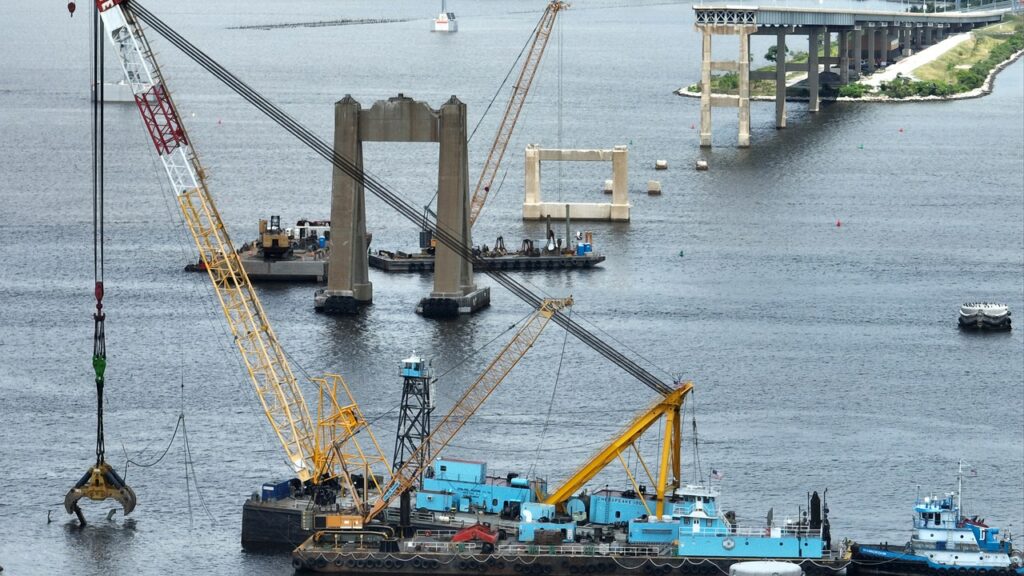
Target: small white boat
column 984, row 316
column 445, row 22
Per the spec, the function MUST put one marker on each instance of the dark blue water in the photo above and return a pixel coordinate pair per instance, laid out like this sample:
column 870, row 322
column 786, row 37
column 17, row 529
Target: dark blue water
column 822, row 356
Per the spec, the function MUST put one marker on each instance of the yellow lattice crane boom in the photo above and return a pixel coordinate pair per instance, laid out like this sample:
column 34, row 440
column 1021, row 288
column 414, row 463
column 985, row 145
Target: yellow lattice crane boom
column 667, row 407
column 514, row 107
column 405, row 477
column 311, row 447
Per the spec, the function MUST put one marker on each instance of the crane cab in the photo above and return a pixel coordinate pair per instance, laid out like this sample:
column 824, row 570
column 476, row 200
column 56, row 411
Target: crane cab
column 414, row 367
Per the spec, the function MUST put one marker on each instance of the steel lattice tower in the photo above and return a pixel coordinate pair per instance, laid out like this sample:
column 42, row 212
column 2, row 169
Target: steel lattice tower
column 414, row 415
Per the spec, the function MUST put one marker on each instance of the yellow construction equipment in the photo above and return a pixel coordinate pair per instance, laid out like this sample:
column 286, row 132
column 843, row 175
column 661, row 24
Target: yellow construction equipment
column 669, row 407
column 315, row 450
column 514, row 107
column 406, row 476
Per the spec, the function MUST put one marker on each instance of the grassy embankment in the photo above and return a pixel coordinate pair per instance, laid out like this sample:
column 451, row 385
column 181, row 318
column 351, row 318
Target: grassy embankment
column 962, row 69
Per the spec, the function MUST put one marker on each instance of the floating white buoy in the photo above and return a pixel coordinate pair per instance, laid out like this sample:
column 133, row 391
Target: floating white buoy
column 654, row 187
column 607, row 186
column 701, row 165
column 661, row 164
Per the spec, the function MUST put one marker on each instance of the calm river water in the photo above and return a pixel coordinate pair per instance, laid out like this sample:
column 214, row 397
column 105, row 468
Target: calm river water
column 823, row 356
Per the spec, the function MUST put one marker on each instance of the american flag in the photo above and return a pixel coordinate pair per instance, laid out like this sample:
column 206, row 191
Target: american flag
column 716, row 475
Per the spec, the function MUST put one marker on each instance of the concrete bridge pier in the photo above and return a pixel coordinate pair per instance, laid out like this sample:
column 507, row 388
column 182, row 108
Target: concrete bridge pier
column 780, row 81
column 741, row 66
column 870, row 36
column 843, row 41
column 827, row 49
column 918, row 33
column 812, row 69
column 858, row 48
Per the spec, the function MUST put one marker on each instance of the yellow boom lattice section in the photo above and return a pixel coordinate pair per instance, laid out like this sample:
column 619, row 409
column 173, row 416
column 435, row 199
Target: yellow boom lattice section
column 405, row 476
column 276, row 387
column 669, row 407
column 338, row 449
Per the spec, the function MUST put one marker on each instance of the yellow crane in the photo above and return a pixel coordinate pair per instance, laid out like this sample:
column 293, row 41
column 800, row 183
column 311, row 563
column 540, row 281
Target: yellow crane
column 514, row 107
column 668, row 407
column 406, row 476
column 315, row 450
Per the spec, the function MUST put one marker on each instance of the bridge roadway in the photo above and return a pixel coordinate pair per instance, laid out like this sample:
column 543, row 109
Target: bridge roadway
column 861, row 35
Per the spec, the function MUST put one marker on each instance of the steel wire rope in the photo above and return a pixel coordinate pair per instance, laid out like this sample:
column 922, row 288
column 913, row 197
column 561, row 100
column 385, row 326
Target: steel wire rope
column 551, row 404
column 189, row 253
column 391, row 199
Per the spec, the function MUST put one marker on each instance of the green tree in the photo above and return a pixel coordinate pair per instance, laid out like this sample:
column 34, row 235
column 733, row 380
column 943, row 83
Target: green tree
column 773, row 52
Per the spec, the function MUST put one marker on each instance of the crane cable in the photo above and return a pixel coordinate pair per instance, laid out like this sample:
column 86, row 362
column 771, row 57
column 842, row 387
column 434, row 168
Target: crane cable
column 399, row 204
column 99, row 353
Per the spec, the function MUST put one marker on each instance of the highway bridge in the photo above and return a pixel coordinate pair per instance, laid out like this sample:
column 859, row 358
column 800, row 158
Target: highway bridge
column 861, row 35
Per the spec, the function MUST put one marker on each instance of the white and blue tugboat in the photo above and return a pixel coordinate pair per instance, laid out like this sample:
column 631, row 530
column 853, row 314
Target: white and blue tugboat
column 944, row 542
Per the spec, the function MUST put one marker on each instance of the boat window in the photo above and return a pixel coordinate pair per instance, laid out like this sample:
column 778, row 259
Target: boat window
column 494, row 502
column 618, row 514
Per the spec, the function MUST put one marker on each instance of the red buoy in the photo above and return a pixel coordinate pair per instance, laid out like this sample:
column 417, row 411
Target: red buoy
column 838, row 223
column 71, row 8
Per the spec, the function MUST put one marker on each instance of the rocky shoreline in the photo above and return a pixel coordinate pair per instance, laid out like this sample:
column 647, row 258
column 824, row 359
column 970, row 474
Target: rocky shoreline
column 984, row 90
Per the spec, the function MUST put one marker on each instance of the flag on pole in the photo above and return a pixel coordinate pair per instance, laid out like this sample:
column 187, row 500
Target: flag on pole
column 716, row 475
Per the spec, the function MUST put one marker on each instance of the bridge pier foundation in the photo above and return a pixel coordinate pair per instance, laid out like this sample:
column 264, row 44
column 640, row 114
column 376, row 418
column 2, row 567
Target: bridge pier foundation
column 858, row 48
column 827, row 49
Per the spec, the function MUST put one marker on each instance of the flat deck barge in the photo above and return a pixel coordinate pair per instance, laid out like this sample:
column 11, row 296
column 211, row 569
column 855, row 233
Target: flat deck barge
column 423, row 554
column 402, row 262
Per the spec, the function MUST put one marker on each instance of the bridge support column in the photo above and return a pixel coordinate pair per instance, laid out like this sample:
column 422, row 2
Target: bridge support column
column 780, row 80
column 843, row 40
column 905, row 41
column 348, row 280
column 744, row 96
column 827, row 48
column 858, row 49
column 869, row 49
column 812, row 70
column 705, row 90
column 917, row 37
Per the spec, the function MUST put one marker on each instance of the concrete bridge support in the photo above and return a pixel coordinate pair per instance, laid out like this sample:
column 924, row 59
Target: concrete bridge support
column 780, row 80
column 401, row 119
column 812, row 69
column 871, row 36
column 827, row 49
column 741, row 67
column 348, row 282
column 858, row 48
column 843, row 41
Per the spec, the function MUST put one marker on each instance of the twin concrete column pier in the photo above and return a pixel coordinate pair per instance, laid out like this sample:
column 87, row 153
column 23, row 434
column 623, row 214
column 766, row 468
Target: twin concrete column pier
column 401, row 119
column 741, row 66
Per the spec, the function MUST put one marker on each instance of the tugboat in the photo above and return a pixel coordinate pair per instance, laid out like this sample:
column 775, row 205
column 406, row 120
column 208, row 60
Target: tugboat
column 943, row 542
column 984, row 316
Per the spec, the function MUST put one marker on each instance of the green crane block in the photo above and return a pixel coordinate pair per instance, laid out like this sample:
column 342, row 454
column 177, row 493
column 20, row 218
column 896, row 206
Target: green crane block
column 99, row 364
